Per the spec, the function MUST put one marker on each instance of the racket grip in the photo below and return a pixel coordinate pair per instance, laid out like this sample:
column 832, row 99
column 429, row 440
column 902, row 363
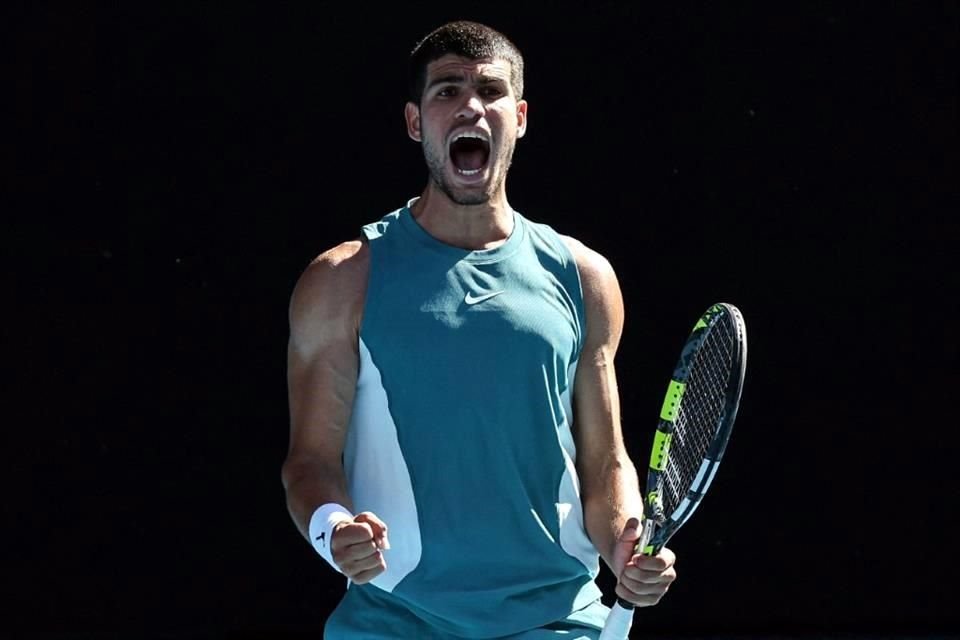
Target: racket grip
column 617, row 626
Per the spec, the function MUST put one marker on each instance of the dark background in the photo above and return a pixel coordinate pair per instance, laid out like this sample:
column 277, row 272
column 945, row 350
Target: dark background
column 175, row 167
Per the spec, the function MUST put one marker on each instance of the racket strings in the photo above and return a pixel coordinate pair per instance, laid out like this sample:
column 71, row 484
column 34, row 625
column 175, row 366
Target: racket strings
column 700, row 413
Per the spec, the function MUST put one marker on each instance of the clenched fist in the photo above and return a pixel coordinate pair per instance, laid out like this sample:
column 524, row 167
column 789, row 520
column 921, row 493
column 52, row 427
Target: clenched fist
column 356, row 545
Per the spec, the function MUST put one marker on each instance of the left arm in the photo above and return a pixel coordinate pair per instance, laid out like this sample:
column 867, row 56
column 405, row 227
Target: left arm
column 609, row 485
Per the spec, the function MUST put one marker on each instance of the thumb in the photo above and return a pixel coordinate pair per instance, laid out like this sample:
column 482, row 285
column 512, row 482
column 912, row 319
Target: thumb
column 377, row 526
column 631, row 531
column 625, row 546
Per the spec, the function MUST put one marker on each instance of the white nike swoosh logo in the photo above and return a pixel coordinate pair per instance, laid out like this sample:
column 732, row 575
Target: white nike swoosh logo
column 471, row 299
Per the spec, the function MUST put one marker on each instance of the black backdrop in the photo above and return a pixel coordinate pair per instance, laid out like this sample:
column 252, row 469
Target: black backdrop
column 175, row 167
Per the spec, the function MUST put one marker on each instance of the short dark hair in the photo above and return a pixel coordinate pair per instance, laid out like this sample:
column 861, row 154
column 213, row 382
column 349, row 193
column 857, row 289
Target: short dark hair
column 467, row 39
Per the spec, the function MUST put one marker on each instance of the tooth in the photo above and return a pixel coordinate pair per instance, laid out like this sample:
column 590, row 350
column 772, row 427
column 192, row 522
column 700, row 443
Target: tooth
column 471, row 134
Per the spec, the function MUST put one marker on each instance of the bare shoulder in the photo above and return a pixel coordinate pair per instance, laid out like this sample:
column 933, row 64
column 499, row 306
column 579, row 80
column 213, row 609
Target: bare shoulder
column 602, row 298
column 596, row 273
column 340, row 268
column 332, row 287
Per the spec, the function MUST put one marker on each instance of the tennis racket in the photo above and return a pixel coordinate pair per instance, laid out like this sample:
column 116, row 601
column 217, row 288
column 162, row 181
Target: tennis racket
column 695, row 424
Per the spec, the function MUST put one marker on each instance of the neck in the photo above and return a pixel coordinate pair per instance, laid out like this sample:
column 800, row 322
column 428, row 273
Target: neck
column 472, row 227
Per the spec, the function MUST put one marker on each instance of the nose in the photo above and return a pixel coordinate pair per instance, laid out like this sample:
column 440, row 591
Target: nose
column 471, row 107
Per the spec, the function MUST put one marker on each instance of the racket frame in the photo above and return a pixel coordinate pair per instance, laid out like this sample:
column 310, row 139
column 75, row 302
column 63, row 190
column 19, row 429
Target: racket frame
column 658, row 527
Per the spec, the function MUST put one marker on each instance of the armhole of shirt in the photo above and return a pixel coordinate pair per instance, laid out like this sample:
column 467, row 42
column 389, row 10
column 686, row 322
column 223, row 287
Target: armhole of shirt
column 578, row 298
column 576, row 292
column 368, row 309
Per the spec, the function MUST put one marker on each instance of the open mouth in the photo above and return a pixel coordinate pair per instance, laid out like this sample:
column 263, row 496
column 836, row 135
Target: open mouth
column 469, row 153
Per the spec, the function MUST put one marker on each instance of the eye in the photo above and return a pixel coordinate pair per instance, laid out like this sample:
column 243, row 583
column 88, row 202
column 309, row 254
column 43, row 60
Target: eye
column 447, row 92
column 491, row 92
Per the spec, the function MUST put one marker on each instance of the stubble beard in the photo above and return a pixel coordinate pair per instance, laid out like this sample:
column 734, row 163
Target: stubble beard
column 436, row 164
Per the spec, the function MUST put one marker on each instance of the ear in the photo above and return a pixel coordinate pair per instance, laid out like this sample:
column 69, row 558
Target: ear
column 412, row 115
column 521, row 118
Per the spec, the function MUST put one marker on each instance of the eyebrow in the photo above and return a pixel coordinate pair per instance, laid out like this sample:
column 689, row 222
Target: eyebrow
column 450, row 78
column 458, row 78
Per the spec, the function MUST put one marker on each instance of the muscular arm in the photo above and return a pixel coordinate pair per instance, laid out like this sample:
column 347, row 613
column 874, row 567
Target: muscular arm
column 610, row 490
column 322, row 366
column 608, row 479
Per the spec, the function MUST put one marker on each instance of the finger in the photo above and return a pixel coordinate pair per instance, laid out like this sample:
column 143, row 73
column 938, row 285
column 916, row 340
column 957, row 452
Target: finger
column 668, row 556
column 353, row 566
column 352, row 533
column 377, row 526
column 664, row 559
column 366, row 576
column 357, row 551
column 647, row 583
column 639, row 600
column 648, row 577
column 657, row 563
column 636, row 590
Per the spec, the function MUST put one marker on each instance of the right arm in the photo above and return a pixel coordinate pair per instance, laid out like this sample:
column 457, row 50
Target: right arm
column 322, row 367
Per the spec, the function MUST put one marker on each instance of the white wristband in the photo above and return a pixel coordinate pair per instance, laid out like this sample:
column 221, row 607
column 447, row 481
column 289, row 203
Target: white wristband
column 322, row 522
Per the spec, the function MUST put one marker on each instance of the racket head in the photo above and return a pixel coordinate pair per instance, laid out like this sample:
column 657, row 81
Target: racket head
column 696, row 420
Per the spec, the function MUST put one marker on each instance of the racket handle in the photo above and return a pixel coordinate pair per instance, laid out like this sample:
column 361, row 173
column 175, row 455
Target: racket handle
column 617, row 626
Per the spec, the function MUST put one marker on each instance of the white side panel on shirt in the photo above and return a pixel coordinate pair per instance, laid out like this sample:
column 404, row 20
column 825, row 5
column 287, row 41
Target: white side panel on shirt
column 573, row 537
column 377, row 474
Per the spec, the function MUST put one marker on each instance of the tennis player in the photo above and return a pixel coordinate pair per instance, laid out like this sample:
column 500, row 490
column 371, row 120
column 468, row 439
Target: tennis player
column 455, row 445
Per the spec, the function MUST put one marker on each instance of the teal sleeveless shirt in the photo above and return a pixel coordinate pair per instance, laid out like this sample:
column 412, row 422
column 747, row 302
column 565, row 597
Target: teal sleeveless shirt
column 461, row 432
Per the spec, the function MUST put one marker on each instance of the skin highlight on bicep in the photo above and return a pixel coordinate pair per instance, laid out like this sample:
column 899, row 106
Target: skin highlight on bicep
column 322, row 353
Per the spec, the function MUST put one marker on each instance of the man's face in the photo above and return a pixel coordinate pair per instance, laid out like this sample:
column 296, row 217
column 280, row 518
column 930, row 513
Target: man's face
column 468, row 123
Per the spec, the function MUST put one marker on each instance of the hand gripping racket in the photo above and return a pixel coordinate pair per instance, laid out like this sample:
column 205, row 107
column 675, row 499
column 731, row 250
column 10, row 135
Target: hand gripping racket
column 695, row 424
